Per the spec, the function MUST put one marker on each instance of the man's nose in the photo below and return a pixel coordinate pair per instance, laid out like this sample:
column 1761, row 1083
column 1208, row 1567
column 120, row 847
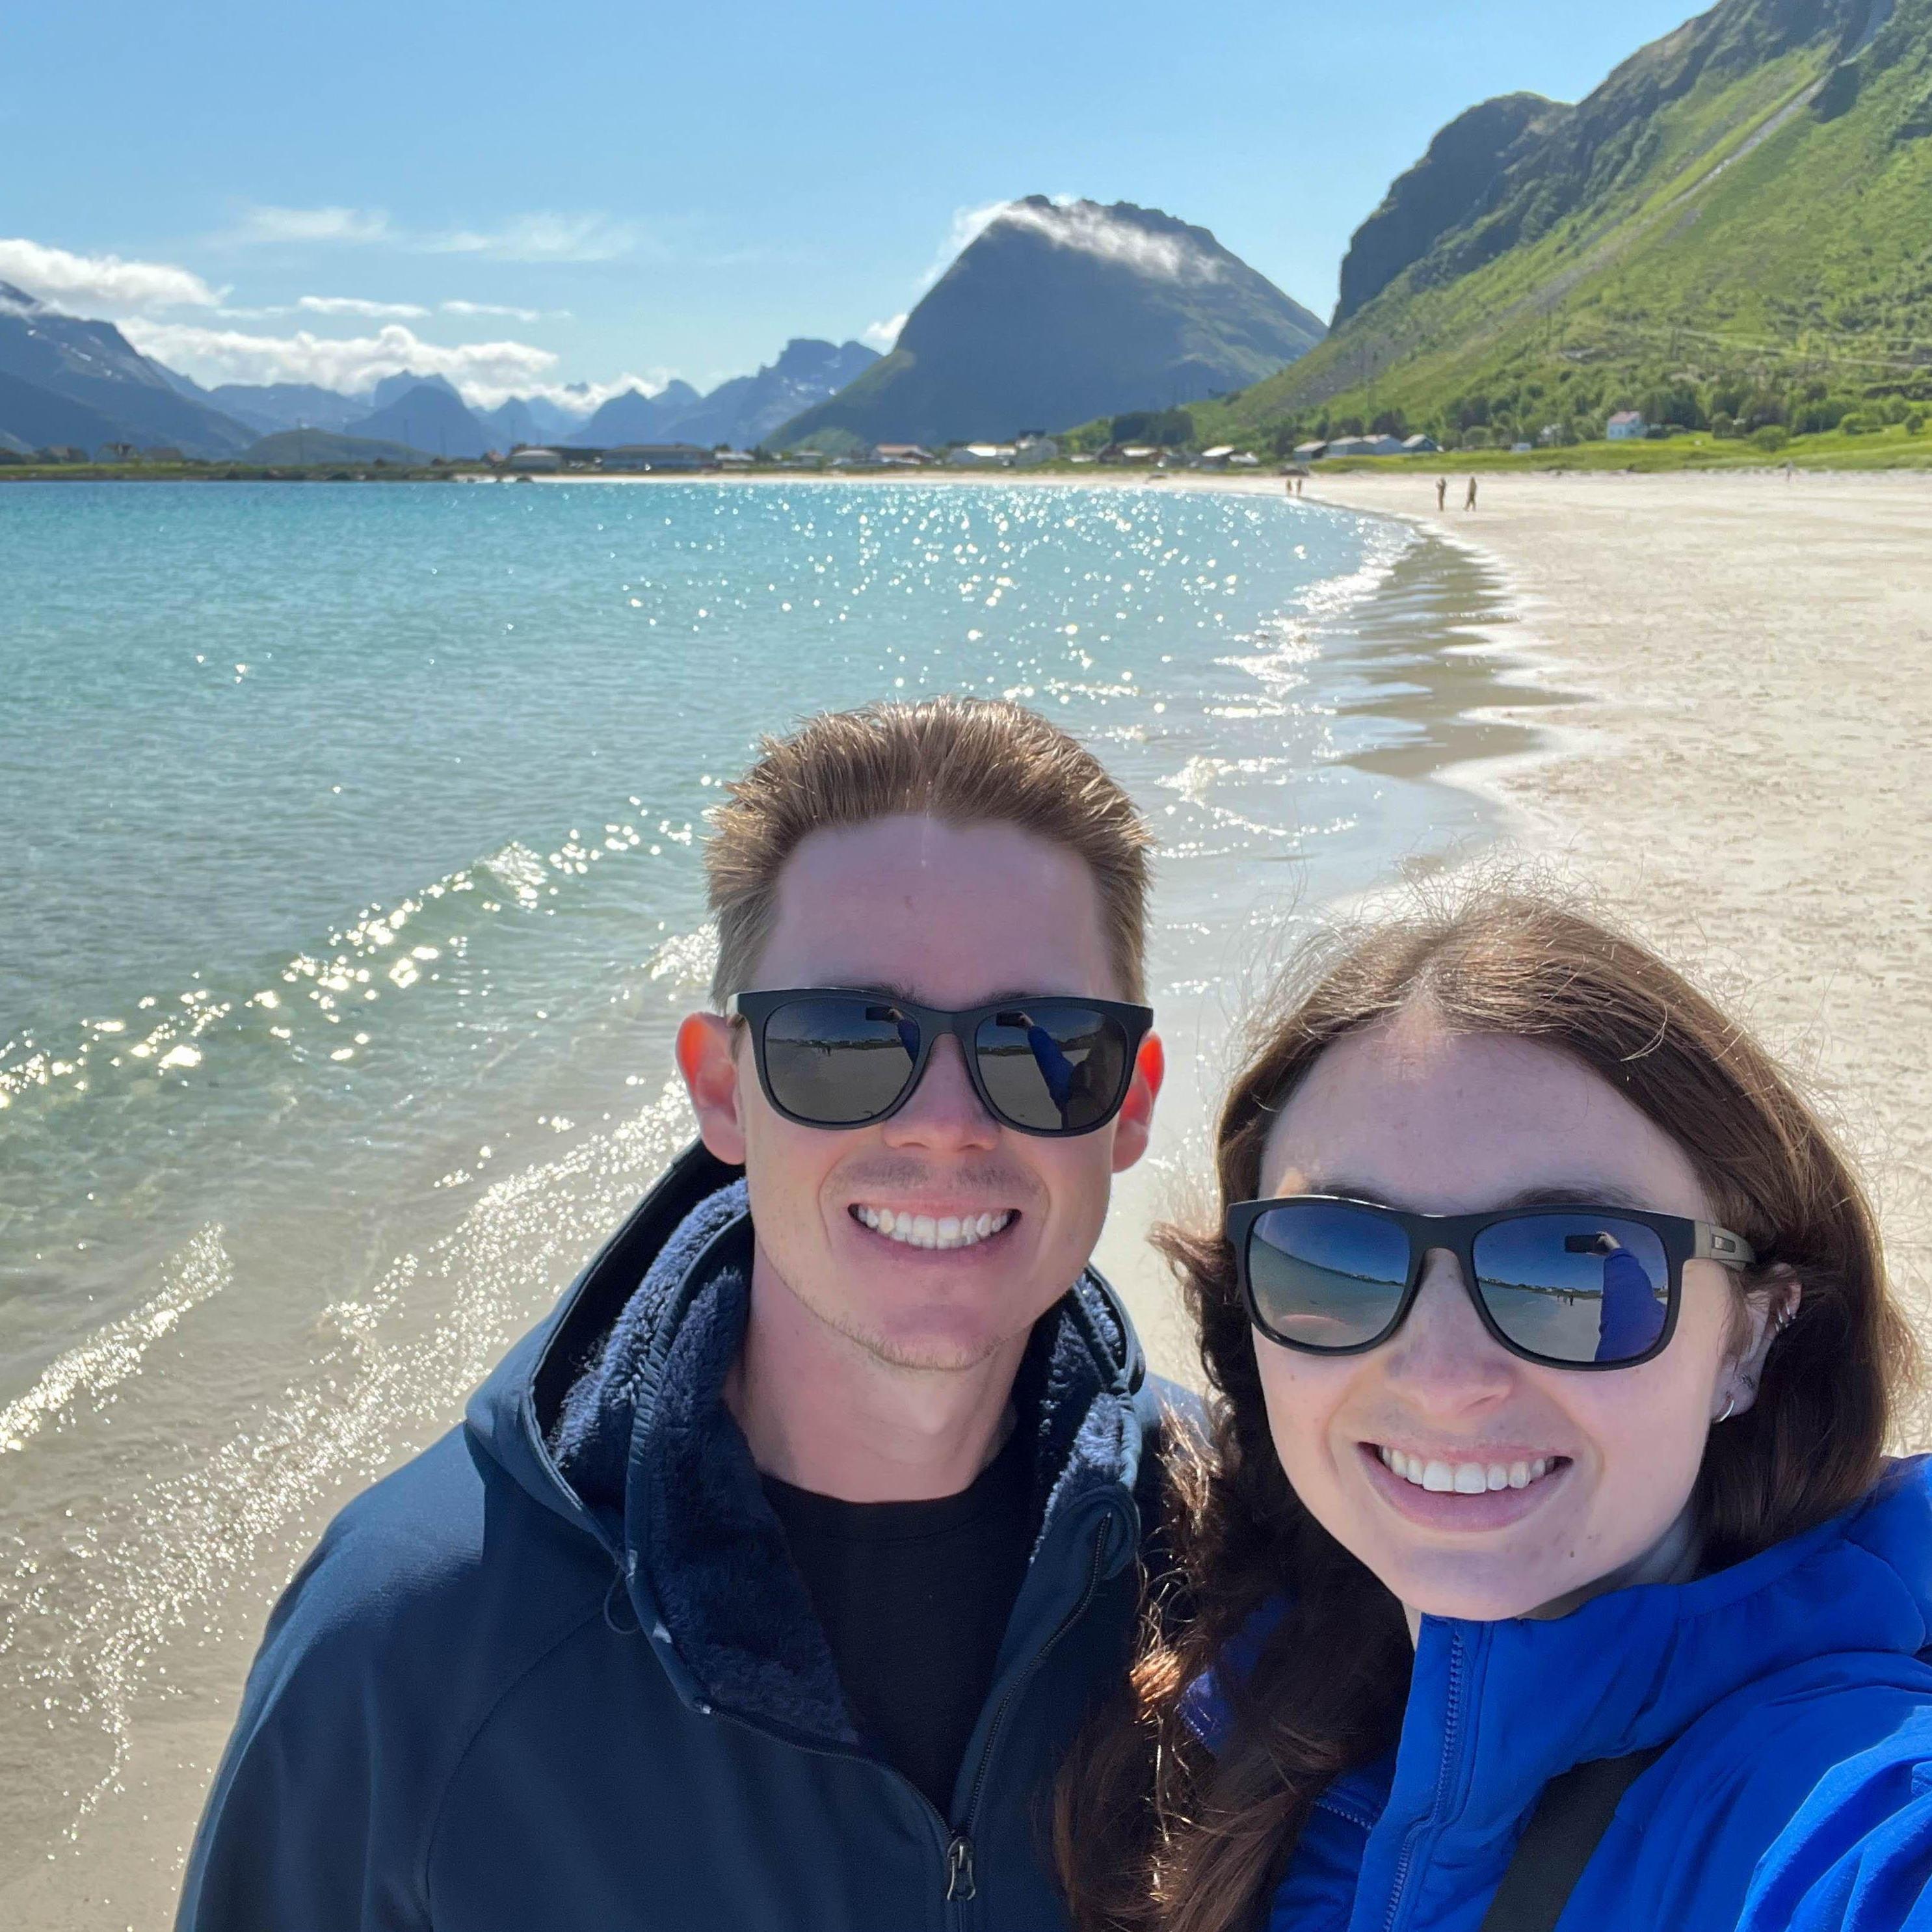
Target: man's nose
column 1444, row 1361
column 944, row 1111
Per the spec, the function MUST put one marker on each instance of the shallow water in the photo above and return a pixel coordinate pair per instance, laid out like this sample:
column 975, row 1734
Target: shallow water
column 350, row 838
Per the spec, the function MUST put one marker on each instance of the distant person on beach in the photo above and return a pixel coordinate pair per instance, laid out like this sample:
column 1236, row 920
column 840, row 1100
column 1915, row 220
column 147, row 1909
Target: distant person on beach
column 1547, row 1561
column 1442, row 492
column 769, row 1578
column 1469, row 500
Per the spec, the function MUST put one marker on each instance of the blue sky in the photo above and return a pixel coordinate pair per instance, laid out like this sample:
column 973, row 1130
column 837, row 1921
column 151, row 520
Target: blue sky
column 527, row 196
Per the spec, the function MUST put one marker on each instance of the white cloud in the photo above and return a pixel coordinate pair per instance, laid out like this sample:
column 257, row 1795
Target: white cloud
column 883, row 334
column 100, row 284
column 540, row 238
column 259, row 226
column 1070, row 223
column 375, row 311
column 1094, row 230
column 504, row 309
column 483, row 372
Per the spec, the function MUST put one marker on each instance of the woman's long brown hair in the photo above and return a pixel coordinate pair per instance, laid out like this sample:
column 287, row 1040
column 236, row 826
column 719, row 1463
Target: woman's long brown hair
column 1154, row 1832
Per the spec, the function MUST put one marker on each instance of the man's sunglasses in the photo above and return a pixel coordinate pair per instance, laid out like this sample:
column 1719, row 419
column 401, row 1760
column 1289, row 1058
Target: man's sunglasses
column 830, row 1058
column 1573, row 1288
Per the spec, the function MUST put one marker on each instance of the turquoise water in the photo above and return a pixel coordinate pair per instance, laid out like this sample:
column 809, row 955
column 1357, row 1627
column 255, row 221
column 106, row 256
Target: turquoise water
column 349, row 838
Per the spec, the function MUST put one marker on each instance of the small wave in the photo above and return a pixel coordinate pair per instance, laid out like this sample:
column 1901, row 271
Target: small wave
column 114, row 1353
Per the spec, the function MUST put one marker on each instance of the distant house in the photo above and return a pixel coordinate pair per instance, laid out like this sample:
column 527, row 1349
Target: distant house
column 60, row 452
column 1032, row 449
column 1626, row 426
column 1310, row 452
column 1520, row 449
column 1083, row 456
column 1420, row 445
column 1218, row 455
column 902, row 453
column 1244, row 459
column 734, row 459
column 986, row 455
column 656, row 456
column 116, row 452
column 543, row 460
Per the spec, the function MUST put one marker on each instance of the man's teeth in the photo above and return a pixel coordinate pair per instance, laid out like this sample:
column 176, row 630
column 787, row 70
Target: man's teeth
column 924, row 1231
column 1466, row 1479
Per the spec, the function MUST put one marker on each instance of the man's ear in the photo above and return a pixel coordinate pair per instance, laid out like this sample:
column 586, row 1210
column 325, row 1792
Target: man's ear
column 1768, row 1311
column 707, row 1058
column 1135, row 1121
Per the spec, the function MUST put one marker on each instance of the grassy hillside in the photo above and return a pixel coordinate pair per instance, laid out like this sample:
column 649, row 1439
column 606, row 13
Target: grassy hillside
column 1734, row 232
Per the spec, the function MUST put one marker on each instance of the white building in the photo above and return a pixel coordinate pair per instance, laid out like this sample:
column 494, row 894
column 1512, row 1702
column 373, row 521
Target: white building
column 989, row 455
column 543, row 459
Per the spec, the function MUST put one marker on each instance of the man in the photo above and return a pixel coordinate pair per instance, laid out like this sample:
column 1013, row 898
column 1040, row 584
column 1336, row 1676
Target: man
column 767, row 1580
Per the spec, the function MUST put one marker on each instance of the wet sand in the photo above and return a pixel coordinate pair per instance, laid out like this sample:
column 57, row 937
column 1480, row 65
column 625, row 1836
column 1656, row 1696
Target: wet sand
column 1745, row 774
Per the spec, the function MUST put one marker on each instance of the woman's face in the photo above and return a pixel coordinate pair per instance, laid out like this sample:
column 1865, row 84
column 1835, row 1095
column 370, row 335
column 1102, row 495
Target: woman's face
column 1411, row 1117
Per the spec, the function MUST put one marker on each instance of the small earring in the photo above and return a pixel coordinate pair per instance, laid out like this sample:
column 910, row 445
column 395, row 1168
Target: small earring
column 1730, row 1403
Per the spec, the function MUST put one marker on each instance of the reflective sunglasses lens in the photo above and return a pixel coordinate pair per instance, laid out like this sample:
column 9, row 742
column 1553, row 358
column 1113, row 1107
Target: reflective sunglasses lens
column 839, row 1062
column 1325, row 1275
column 1055, row 1070
column 1575, row 1287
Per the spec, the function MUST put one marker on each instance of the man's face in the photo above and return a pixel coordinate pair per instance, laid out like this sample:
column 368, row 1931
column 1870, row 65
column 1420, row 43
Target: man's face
column 949, row 916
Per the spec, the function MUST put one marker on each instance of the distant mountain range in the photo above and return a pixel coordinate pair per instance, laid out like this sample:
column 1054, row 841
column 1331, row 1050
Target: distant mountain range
column 742, row 411
column 1059, row 312
column 63, row 380
column 1730, row 232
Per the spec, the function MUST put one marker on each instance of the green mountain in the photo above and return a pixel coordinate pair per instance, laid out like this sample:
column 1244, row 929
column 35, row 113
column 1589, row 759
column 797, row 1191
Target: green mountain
column 1057, row 312
column 1734, row 231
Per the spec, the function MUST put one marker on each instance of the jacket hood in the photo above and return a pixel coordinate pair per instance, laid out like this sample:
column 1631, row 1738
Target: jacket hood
column 611, row 1414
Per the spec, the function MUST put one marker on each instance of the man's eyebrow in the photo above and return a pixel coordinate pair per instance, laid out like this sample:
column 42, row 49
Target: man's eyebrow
column 886, row 990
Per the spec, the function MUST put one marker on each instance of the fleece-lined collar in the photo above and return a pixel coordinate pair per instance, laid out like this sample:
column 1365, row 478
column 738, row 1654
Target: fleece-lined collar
column 645, row 1444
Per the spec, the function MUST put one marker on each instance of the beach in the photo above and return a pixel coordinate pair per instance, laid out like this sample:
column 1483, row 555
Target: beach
column 1744, row 768
column 1707, row 701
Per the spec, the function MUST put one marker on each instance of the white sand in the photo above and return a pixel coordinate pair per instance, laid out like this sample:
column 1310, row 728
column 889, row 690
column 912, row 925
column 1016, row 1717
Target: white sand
column 1750, row 785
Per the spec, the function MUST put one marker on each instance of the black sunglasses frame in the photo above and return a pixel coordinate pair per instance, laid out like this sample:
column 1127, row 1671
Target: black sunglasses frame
column 1683, row 1240
column 756, row 1009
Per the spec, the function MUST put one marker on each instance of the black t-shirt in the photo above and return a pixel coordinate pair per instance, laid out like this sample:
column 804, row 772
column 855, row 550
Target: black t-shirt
column 914, row 1598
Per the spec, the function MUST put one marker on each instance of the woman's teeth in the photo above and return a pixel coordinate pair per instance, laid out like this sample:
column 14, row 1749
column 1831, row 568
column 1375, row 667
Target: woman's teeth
column 925, row 1231
column 1466, row 1479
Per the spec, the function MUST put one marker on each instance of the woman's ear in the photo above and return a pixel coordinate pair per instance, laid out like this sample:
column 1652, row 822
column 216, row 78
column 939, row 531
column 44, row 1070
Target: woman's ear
column 706, row 1058
column 1767, row 1313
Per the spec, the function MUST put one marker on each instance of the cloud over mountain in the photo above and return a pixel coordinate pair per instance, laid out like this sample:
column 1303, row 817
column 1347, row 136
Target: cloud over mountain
column 100, row 284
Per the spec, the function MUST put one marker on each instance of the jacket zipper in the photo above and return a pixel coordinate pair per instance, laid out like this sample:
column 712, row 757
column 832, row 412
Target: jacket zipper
column 1451, row 1719
column 960, row 1884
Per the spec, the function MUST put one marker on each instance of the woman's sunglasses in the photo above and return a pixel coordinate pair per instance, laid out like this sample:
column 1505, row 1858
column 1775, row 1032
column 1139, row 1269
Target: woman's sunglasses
column 1573, row 1288
column 829, row 1058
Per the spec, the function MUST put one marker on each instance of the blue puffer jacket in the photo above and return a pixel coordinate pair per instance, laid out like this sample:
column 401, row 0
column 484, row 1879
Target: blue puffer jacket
column 1796, row 1795
column 559, row 1671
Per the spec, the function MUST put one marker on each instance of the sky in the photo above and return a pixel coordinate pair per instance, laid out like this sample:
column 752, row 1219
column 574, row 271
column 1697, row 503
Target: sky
column 523, row 198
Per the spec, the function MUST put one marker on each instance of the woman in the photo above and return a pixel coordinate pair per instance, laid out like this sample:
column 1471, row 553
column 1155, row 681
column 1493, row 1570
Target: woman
column 1554, row 1363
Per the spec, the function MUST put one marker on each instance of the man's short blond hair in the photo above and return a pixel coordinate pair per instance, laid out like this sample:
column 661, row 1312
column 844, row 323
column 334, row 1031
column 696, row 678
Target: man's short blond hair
column 961, row 761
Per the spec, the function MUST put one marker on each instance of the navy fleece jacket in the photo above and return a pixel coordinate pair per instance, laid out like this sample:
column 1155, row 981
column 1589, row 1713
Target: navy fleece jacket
column 559, row 1671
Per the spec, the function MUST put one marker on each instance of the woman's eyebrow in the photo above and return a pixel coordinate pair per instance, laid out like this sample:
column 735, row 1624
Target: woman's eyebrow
column 1567, row 1194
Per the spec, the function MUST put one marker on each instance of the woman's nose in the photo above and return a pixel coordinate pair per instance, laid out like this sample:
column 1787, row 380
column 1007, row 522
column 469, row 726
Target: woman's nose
column 1443, row 1358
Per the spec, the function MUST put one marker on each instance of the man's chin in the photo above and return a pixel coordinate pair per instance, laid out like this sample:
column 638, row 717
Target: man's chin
column 944, row 1345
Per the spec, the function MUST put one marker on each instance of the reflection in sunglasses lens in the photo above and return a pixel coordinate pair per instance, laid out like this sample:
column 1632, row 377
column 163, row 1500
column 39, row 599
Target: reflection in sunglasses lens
column 1575, row 1288
column 1056, row 1069
column 1326, row 1274
column 838, row 1062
